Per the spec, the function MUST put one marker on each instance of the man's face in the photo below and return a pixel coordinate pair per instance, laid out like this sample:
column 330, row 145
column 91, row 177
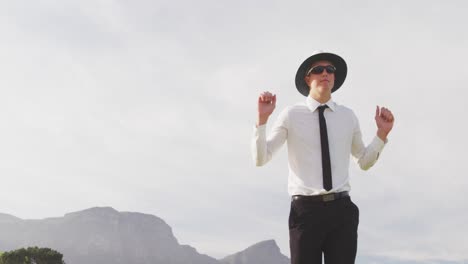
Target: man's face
column 321, row 82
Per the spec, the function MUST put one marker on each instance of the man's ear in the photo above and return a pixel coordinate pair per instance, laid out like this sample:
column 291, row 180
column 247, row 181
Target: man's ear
column 306, row 79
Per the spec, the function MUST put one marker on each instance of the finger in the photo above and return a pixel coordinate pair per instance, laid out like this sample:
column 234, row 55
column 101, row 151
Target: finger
column 266, row 93
column 274, row 100
column 386, row 115
column 377, row 111
column 384, row 112
column 266, row 97
column 387, row 111
column 389, row 115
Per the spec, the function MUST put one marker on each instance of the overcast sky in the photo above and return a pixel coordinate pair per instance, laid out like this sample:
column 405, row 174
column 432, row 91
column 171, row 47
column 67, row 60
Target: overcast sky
column 149, row 106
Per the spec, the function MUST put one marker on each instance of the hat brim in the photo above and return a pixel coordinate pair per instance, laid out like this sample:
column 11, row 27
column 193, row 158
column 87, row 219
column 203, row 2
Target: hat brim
column 337, row 61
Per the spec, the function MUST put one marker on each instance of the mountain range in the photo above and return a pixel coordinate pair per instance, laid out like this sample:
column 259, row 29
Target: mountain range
column 102, row 235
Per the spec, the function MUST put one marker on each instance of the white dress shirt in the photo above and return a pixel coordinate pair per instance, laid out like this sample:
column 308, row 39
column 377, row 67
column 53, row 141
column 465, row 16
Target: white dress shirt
column 299, row 126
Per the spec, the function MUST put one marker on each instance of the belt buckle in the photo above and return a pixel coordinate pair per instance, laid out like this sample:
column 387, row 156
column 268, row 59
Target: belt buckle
column 328, row 197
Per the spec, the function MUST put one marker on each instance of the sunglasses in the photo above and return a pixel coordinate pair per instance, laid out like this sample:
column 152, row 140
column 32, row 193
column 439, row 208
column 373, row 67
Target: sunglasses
column 320, row 69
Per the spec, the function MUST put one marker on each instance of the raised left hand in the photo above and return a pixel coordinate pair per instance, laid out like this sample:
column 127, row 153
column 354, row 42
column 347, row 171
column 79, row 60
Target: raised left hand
column 384, row 120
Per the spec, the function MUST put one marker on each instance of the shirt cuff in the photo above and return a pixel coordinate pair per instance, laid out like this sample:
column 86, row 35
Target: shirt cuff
column 378, row 144
column 261, row 127
column 259, row 132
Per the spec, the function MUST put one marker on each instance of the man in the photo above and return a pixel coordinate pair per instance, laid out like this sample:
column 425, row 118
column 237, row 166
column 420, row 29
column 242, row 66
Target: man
column 321, row 136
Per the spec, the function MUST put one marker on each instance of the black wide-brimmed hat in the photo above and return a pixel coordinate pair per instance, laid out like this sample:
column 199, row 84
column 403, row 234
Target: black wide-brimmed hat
column 337, row 61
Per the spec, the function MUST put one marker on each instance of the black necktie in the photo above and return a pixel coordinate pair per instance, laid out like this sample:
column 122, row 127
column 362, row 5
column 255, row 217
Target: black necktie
column 326, row 167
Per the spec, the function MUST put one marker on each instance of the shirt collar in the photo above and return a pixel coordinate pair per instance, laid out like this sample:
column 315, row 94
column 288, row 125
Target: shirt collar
column 313, row 104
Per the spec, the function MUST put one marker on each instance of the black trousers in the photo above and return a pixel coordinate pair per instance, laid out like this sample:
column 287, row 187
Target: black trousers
column 328, row 227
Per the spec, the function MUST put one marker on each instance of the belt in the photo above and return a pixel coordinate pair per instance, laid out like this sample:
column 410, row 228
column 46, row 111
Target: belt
column 321, row 198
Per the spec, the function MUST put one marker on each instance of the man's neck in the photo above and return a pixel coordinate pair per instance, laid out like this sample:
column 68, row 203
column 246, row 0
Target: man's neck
column 321, row 98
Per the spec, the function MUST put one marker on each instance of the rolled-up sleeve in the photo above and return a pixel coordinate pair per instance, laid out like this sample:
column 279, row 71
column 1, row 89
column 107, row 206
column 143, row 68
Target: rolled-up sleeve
column 263, row 148
column 366, row 157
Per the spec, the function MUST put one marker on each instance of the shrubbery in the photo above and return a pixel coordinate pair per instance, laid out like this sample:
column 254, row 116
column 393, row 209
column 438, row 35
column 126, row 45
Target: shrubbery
column 32, row 255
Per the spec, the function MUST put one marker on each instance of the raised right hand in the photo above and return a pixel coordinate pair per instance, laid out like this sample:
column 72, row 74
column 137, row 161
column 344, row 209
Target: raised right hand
column 266, row 105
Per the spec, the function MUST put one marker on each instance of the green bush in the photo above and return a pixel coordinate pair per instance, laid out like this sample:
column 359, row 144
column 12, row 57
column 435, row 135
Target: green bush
column 32, row 255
